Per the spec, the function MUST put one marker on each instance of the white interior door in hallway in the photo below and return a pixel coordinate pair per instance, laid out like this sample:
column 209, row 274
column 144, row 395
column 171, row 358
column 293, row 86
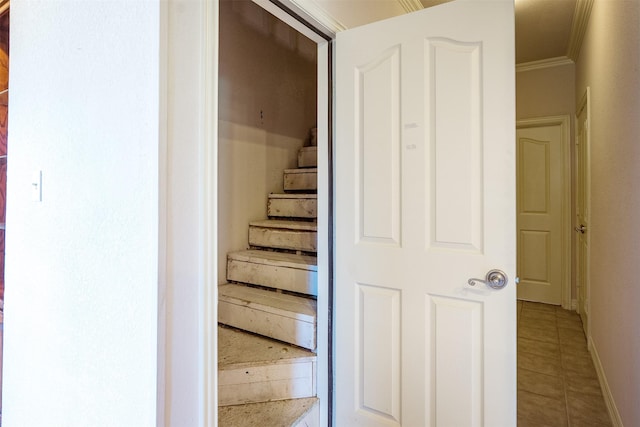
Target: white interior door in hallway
column 425, row 200
column 543, row 203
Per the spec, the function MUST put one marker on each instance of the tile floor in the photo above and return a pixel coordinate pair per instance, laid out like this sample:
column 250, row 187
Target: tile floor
column 557, row 383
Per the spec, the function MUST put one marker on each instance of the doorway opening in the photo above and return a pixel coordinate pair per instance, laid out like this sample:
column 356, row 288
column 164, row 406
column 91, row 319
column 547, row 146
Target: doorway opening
column 273, row 215
column 543, row 166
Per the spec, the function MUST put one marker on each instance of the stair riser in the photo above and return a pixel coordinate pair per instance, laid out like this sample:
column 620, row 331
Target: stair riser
column 273, row 325
column 288, row 279
column 293, row 208
column 307, row 158
column 283, row 239
column 307, row 181
column 266, row 383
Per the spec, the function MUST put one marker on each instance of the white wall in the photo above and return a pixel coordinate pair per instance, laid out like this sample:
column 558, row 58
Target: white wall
column 82, row 265
column 609, row 63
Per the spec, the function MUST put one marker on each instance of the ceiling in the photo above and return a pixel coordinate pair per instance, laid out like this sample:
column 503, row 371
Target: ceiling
column 543, row 29
column 546, row 30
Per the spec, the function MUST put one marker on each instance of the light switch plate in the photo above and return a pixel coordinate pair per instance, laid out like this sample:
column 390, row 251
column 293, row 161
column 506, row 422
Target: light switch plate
column 36, row 186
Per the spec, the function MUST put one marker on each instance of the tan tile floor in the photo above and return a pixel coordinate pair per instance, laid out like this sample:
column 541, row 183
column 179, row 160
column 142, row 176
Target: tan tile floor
column 557, row 383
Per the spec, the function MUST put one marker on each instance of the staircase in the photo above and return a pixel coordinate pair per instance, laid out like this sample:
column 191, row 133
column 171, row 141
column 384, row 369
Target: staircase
column 267, row 312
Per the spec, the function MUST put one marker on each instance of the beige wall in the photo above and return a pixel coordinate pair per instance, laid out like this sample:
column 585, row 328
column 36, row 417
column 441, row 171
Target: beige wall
column 550, row 92
column 609, row 63
column 545, row 92
column 267, row 101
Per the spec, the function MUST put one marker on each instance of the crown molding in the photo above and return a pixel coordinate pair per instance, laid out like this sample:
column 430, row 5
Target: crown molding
column 543, row 63
column 314, row 10
column 411, row 5
column 579, row 27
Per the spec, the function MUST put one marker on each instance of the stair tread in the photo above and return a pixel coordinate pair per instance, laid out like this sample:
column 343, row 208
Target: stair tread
column 282, row 413
column 305, row 262
column 286, row 224
column 292, row 306
column 293, row 196
column 301, row 170
column 238, row 348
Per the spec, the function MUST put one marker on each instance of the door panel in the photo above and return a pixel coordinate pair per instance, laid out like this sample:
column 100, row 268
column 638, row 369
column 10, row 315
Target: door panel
column 377, row 99
column 454, row 87
column 425, row 200
column 378, row 358
column 456, row 339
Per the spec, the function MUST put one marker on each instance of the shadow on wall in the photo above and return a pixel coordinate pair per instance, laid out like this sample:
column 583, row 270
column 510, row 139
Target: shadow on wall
column 267, row 72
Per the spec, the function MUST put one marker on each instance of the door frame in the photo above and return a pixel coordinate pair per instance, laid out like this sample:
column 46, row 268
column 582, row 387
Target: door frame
column 566, row 250
column 307, row 24
column 189, row 34
column 585, row 103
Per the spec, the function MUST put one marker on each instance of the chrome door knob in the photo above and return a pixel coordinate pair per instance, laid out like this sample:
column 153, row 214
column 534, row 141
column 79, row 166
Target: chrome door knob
column 495, row 279
column 580, row 229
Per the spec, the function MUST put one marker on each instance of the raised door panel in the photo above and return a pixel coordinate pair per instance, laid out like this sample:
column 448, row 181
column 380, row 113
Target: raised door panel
column 534, row 175
column 534, row 269
column 456, row 339
column 378, row 134
column 378, row 364
column 454, row 91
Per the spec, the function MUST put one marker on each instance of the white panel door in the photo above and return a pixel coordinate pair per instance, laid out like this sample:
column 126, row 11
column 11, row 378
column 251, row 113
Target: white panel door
column 425, row 200
column 540, row 192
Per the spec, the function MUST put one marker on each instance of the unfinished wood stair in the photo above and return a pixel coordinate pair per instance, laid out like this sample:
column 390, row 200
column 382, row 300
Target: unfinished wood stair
column 267, row 363
column 293, row 205
column 283, row 413
column 285, row 317
column 289, row 272
column 256, row 369
column 301, row 179
column 283, row 234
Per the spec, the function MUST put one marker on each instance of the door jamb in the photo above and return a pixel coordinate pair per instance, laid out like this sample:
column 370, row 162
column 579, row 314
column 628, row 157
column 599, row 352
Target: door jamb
column 308, row 24
column 585, row 102
column 564, row 123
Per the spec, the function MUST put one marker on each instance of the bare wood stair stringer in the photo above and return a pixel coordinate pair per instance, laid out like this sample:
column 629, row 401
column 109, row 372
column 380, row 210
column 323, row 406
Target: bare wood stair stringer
column 267, row 312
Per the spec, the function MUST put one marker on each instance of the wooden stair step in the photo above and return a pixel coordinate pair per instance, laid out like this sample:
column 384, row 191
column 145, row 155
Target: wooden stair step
column 284, row 317
column 284, row 413
column 308, row 157
column 304, row 179
column 289, row 272
column 256, row 369
column 284, row 234
column 293, row 205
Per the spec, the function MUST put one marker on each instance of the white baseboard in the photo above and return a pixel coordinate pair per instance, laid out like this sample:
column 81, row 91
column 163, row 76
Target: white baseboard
column 604, row 385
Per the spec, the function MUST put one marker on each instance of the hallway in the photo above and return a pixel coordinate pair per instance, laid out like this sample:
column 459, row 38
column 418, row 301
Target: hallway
column 557, row 382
